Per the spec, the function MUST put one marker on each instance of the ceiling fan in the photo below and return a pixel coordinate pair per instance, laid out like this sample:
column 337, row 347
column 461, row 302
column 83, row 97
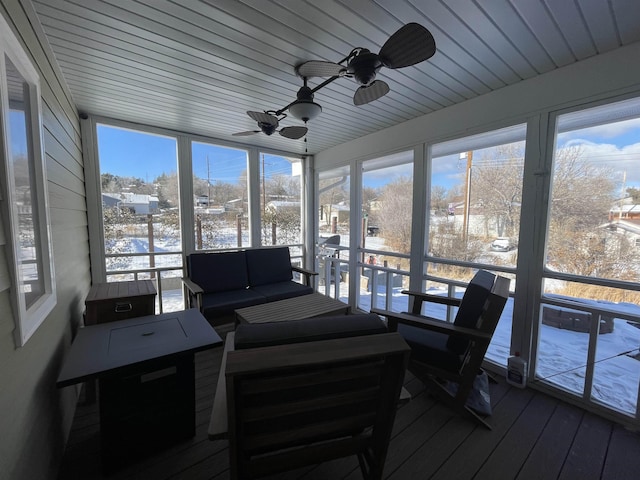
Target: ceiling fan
column 411, row 44
column 268, row 123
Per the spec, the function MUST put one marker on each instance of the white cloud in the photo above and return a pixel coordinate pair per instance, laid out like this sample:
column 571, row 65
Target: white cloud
column 622, row 160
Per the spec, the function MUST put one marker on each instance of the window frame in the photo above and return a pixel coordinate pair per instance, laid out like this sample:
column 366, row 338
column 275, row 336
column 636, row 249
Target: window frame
column 27, row 318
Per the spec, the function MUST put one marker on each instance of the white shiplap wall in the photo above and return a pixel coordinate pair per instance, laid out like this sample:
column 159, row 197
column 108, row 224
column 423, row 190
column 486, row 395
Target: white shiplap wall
column 35, row 417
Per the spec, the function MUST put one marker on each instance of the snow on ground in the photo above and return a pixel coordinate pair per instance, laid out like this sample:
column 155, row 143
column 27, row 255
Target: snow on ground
column 562, row 354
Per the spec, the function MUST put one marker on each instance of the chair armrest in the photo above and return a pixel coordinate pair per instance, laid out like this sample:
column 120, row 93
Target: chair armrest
column 307, row 273
column 195, row 289
column 440, row 326
column 219, row 423
column 420, row 297
column 434, row 298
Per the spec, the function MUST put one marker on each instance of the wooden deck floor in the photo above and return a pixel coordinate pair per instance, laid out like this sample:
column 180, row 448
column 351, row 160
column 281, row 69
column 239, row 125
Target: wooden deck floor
column 534, row 436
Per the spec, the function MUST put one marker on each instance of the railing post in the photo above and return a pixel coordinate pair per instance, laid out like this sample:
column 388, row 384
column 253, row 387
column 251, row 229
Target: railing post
column 152, row 258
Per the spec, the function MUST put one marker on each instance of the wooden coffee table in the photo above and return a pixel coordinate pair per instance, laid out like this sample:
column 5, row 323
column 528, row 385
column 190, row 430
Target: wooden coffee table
column 312, row 305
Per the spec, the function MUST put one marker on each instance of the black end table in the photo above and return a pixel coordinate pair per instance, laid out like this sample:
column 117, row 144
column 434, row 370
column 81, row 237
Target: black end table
column 145, row 370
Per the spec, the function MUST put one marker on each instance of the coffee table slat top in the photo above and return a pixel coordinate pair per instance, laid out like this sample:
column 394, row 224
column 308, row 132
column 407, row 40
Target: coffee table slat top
column 296, row 308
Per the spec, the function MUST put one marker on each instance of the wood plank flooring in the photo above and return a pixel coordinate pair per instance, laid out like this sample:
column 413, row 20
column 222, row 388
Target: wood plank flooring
column 534, row 437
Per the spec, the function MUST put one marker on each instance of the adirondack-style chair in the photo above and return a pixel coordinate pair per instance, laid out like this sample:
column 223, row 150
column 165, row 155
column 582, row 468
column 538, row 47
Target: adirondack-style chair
column 443, row 352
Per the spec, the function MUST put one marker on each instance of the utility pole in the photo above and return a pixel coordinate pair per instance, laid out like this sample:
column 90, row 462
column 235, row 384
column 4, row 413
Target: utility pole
column 208, row 184
column 264, row 189
column 624, row 181
column 467, row 197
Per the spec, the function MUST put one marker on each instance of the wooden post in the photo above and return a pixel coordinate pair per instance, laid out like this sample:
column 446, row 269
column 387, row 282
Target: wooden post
column 273, row 233
column 198, row 232
column 152, row 258
column 334, row 225
column 467, row 198
column 239, row 229
column 364, row 235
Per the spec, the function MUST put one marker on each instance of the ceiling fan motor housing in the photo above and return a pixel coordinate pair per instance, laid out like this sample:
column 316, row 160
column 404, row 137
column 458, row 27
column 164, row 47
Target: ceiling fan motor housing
column 305, row 94
column 364, row 66
column 267, row 128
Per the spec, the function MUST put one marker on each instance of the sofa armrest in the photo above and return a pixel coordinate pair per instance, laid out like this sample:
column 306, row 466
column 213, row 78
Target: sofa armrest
column 195, row 290
column 219, row 423
column 303, row 271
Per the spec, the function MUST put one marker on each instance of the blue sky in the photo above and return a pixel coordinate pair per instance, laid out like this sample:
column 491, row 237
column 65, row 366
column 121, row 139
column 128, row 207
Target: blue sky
column 127, row 153
column 136, row 154
column 141, row 155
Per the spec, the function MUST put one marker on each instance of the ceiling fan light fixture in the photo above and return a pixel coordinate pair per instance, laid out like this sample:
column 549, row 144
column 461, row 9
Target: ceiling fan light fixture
column 305, row 110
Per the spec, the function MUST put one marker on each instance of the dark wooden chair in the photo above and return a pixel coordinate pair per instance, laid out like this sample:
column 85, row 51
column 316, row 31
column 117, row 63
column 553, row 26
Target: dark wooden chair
column 300, row 404
column 443, row 352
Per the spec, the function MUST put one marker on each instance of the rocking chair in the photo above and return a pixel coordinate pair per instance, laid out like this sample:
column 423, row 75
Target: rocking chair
column 443, row 352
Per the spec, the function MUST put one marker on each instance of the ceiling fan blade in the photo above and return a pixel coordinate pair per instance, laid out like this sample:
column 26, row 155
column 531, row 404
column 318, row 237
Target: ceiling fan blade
column 262, row 117
column 244, row 134
column 294, row 133
column 369, row 93
column 319, row 68
column 411, row 44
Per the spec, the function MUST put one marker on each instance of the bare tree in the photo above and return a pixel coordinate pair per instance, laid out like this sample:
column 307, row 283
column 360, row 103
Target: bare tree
column 168, row 189
column 582, row 195
column 582, row 192
column 634, row 193
column 439, row 199
column 395, row 214
column 496, row 188
column 333, row 191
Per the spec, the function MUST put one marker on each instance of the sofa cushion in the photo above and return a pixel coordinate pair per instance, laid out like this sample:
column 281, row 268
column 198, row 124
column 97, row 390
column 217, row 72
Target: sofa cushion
column 221, row 303
column 307, row 330
column 218, row 272
column 430, row 347
column 281, row 290
column 268, row 265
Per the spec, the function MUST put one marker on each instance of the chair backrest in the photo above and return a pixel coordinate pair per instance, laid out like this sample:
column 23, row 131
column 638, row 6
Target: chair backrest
column 218, row 272
column 268, row 265
column 302, row 404
column 472, row 308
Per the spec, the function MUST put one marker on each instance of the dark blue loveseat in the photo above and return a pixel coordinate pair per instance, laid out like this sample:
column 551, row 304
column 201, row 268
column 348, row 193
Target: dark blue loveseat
column 219, row 283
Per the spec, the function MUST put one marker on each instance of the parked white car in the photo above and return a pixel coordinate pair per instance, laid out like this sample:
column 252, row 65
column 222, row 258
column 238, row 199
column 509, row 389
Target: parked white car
column 502, row 244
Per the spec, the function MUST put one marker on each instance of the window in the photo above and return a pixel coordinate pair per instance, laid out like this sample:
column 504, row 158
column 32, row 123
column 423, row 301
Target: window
column 280, row 202
column 385, row 241
column 589, row 330
column 24, row 195
column 334, row 226
column 476, row 190
column 474, row 217
column 140, row 210
column 221, row 198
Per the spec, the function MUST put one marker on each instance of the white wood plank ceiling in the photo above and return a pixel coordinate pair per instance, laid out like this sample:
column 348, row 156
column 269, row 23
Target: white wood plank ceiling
column 198, row 65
